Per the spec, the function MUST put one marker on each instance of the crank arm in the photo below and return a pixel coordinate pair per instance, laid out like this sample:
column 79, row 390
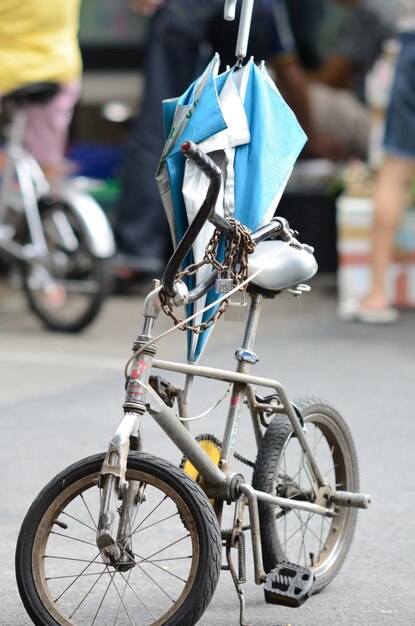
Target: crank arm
column 289, row 503
column 253, row 496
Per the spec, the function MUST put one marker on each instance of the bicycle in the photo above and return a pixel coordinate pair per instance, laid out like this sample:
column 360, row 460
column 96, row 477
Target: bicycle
column 126, row 537
column 56, row 238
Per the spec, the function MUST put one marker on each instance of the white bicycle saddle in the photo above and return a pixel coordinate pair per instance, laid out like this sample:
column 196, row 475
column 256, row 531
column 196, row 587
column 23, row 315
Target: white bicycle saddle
column 283, row 268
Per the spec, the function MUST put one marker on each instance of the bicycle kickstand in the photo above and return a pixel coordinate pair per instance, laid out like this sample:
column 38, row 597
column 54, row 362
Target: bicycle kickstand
column 235, row 578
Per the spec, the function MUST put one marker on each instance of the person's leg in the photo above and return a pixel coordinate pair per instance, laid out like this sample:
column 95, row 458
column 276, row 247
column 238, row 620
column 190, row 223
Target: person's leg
column 47, row 129
column 173, row 62
column 396, row 173
column 46, row 138
column 390, row 201
column 142, row 231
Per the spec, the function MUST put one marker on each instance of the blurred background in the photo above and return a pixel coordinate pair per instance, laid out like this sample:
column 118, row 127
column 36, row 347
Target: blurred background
column 329, row 201
column 75, row 383
column 113, row 40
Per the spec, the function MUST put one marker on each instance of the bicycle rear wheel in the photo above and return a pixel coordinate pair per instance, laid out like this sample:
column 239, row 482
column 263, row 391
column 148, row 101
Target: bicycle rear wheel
column 68, row 293
column 304, row 538
column 175, row 554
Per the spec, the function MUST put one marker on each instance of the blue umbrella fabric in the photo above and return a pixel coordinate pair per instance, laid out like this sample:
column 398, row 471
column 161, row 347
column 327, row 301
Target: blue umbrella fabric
column 221, row 149
column 263, row 167
column 241, row 120
column 193, row 116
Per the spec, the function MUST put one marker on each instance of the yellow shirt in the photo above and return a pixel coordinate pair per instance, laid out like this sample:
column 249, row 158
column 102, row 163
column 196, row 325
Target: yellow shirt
column 38, row 41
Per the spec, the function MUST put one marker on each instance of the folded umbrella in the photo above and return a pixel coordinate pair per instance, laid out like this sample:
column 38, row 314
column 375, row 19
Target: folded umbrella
column 241, row 120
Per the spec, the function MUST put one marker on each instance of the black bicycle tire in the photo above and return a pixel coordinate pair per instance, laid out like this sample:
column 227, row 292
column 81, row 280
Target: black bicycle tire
column 102, row 270
column 275, row 439
column 209, row 563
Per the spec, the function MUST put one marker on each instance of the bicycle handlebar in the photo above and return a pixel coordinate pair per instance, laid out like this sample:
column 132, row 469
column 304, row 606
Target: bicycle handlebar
column 212, row 171
column 207, row 213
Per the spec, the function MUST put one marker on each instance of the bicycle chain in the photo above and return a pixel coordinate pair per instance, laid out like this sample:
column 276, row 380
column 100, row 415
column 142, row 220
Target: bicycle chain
column 235, row 265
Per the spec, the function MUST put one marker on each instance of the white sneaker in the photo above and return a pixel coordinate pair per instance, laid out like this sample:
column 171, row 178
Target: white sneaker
column 352, row 310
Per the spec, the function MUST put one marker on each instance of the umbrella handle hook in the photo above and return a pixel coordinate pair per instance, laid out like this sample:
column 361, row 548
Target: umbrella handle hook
column 244, row 23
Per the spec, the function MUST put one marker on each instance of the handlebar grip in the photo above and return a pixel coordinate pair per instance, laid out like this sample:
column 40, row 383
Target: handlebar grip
column 212, row 171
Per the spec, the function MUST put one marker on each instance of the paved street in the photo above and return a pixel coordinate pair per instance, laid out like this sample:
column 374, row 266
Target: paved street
column 60, row 399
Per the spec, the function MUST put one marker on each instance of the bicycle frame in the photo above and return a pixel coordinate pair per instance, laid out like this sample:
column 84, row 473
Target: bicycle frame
column 32, row 183
column 33, row 186
column 219, row 482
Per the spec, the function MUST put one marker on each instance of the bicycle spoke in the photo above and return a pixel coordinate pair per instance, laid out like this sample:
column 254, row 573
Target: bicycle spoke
column 88, row 543
column 321, row 534
column 157, row 584
column 320, row 438
column 301, row 490
column 155, row 523
column 173, row 558
column 78, row 520
column 312, row 516
column 131, row 523
column 300, row 529
column 87, row 594
column 156, row 564
column 102, row 599
column 122, row 603
column 150, row 513
column 304, row 528
column 73, row 575
column 87, row 508
column 165, row 548
column 138, row 597
column 74, row 581
column 331, row 461
column 67, row 558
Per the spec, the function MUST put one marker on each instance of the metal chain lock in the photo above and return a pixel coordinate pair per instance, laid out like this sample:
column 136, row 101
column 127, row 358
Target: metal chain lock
column 237, row 247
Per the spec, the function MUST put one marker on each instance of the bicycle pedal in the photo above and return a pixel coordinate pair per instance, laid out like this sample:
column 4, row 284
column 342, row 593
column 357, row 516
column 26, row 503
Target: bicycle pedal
column 288, row 584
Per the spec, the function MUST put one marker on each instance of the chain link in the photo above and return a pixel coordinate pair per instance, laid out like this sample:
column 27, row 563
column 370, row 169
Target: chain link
column 238, row 246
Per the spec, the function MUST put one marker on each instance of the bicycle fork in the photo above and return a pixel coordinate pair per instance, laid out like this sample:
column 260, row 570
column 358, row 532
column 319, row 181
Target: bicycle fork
column 114, row 523
column 113, row 542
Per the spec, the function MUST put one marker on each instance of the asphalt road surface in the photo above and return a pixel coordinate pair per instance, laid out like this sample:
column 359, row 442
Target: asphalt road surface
column 61, row 397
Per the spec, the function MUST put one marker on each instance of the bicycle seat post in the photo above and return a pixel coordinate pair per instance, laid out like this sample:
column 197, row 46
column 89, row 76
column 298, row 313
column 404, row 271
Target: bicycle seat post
column 245, row 357
column 15, row 137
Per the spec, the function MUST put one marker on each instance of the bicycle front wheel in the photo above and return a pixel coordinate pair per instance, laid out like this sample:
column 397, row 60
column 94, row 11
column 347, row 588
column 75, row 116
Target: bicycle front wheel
column 68, row 293
column 175, row 551
column 307, row 539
